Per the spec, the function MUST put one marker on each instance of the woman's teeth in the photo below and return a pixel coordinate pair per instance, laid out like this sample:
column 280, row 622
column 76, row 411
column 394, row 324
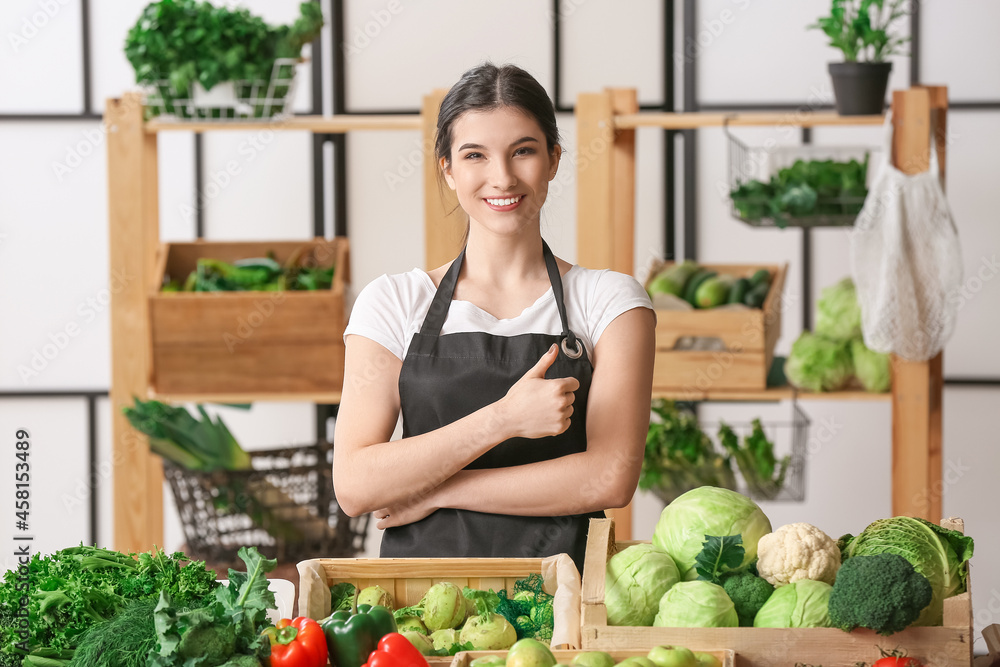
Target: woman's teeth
column 504, row 202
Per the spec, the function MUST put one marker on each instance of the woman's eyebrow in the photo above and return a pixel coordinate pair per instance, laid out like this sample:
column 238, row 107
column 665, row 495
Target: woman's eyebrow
column 481, row 147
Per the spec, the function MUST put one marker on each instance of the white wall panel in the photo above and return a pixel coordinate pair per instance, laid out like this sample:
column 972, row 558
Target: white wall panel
column 959, row 47
column 603, row 46
column 40, row 70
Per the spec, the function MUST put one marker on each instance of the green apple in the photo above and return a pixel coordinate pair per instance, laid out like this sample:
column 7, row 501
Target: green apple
column 707, row 660
column 530, row 653
column 593, row 659
column 636, row 662
column 672, row 656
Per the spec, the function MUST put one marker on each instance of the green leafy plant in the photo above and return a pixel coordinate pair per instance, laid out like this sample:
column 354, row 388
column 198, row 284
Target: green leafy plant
column 807, row 188
column 186, row 41
column 720, row 554
column 763, row 473
column 860, row 28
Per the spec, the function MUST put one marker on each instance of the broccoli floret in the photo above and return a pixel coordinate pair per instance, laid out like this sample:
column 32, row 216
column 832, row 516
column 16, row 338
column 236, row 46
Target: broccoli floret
column 748, row 593
column 881, row 592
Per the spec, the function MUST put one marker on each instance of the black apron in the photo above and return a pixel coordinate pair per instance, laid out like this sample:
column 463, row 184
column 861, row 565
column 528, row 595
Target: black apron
column 445, row 378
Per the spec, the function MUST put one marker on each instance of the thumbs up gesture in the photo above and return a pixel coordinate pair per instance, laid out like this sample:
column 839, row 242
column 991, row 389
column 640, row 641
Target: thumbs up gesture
column 535, row 407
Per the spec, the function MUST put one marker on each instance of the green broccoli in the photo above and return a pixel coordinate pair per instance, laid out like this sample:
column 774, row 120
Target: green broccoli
column 748, row 593
column 881, row 592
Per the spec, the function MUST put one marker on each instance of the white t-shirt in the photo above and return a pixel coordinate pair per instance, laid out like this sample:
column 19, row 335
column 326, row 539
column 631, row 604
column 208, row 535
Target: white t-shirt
column 391, row 308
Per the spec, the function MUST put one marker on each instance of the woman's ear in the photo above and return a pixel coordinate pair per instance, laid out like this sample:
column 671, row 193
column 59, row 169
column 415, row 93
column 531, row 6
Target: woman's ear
column 445, row 166
column 554, row 158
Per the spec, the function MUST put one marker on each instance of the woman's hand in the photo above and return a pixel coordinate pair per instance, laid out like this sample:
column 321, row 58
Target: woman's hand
column 535, row 407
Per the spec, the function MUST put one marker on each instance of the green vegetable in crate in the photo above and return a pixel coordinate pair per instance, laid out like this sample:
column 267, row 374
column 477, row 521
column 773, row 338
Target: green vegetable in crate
column 592, row 659
column 838, row 315
column 443, row 639
column 487, row 630
column 748, row 592
column 738, row 291
column 530, row 653
column 352, row 634
column 756, row 295
column 636, row 578
column 488, row 661
column 672, row 279
column 419, row 640
column 714, row 291
column 938, row 554
column 375, row 596
column 410, row 624
column 696, row 604
column 802, row 604
column 672, row 656
column 819, row 364
column 873, row 369
column 691, row 288
column 881, row 592
column 685, row 522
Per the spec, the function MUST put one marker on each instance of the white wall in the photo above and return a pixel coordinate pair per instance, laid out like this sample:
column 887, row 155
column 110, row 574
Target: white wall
column 53, row 222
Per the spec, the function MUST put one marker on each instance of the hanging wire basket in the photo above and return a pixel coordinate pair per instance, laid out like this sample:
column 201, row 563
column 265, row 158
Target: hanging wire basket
column 285, row 506
column 789, row 437
column 833, row 199
column 248, row 100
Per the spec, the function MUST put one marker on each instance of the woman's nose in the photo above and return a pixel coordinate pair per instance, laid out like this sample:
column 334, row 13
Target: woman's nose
column 502, row 176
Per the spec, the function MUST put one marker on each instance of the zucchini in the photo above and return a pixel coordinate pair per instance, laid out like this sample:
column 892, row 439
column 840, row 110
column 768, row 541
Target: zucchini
column 761, row 276
column 756, row 296
column 713, row 292
column 738, row 291
column 673, row 279
column 695, row 282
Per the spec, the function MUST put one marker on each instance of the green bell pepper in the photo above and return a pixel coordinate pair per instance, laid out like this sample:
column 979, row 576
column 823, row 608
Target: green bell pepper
column 352, row 635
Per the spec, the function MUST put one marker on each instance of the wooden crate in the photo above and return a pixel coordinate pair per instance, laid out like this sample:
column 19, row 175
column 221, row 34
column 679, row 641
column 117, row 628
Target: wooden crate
column 748, row 336
column 948, row 645
column 407, row 579
column 243, row 342
column 726, row 656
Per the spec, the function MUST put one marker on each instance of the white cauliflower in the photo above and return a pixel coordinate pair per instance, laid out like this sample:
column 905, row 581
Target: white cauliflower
column 797, row 551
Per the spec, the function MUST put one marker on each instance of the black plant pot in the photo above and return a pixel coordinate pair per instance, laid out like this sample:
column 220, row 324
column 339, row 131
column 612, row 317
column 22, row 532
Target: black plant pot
column 859, row 88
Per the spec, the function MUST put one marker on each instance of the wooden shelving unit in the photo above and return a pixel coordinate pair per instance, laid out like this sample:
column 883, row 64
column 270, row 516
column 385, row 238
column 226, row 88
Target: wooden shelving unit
column 606, row 124
column 134, row 230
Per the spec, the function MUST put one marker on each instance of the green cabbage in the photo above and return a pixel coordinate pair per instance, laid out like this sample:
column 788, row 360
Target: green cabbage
column 708, row 510
column 637, row 578
column 696, row 604
column 935, row 552
column 871, row 368
column 819, row 364
column 800, row 604
column 838, row 316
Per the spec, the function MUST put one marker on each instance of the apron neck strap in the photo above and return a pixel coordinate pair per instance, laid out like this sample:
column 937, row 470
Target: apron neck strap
column 438, row 311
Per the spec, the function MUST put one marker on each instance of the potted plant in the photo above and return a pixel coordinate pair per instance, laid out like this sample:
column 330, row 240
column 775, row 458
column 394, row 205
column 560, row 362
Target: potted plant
column 217, row 62
column 860, row 28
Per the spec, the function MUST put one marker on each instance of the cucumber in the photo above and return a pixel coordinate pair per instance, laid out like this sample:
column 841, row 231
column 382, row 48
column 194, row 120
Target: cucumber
column 738, row 291
column 696, row 280
column 756, row 296
column 672, row 279
column 713, row 292
column 761, row 276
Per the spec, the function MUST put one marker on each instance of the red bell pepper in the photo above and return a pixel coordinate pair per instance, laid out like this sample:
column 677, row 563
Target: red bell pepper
column 297, row 643
column 395, row 650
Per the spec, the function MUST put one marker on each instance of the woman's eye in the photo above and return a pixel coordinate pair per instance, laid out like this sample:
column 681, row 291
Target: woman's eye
column 524, row 150
column 473, row 156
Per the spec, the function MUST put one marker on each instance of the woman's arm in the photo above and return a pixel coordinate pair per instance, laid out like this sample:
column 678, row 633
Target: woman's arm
column 371, row 472
column 604, row 476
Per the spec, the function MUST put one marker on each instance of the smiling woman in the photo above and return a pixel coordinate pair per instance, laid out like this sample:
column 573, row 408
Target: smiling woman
column 524, row 381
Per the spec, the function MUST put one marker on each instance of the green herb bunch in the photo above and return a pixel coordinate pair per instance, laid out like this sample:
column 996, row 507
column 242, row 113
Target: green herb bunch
column 860, row 28
column 77, row 588
column 679, row 456
column 763, row 473
column 807, row 188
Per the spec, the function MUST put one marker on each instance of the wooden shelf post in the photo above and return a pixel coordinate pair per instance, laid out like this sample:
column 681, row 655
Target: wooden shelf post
column 134, row 231
column 444, row 220
column 917, row 387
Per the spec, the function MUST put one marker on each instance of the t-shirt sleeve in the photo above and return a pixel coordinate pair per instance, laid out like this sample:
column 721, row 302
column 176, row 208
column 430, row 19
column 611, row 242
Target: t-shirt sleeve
column 378, row 315
column 614, row 294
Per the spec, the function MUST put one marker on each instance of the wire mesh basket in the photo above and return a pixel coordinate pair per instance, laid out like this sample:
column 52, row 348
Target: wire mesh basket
column 249, row 100
column 762, row 193
column 285, row 506
column 726, row 470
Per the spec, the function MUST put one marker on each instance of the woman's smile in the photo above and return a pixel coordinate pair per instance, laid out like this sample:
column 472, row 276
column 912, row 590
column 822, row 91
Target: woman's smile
column 504, row 203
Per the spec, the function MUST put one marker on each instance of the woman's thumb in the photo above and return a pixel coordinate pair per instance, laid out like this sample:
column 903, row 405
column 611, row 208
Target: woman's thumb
column 542, row 365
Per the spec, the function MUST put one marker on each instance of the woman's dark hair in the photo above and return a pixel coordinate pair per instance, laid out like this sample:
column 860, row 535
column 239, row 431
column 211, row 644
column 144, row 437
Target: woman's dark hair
column 489, row 87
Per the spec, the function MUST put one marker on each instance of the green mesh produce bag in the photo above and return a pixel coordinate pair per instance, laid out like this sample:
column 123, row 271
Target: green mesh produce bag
column 528, row 608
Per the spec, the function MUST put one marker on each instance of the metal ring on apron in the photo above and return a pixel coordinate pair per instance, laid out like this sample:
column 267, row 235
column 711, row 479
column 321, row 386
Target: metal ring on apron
column 575, row 354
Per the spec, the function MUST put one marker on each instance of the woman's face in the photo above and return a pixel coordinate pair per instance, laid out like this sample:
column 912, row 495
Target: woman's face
column 500, row 168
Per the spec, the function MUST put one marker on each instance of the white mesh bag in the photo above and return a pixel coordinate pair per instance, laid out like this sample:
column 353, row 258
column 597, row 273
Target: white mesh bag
column 906, row 260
